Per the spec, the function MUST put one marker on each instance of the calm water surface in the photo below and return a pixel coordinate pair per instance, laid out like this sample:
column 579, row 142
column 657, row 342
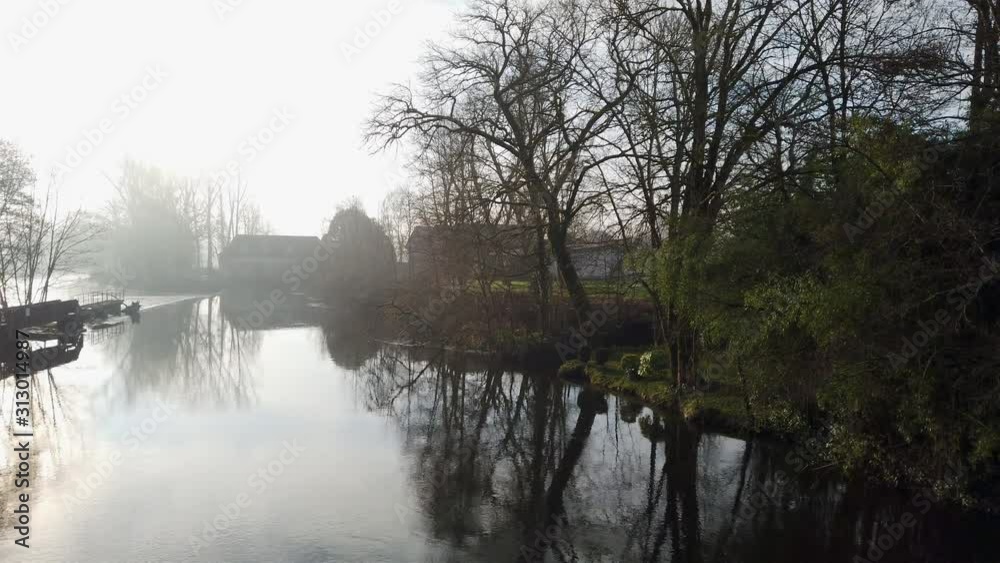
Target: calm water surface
column 183, row 438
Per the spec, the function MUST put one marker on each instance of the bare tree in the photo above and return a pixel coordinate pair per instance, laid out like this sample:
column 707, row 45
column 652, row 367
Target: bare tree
column 237, row 215
column 16, row 179
column 729, row 68
column 397, row 215
column 528, row 80
column 985, row 69
column 64, row 239
column 38, row 239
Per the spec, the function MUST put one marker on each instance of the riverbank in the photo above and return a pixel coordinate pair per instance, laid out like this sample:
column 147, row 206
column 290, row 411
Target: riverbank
column 785, row 388
column 718, row 404
column 455, row 321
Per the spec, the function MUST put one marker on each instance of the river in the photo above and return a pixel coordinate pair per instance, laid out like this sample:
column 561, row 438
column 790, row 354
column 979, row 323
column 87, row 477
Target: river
column 188, row 438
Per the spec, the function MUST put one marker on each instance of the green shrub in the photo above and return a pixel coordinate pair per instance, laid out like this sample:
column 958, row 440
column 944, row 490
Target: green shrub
column 630, row 365
column 573, row 369
column 653, row 363
column 692, row 408
column 782, row 418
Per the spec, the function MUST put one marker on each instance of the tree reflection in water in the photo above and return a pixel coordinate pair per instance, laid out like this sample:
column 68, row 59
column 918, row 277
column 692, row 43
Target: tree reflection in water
column 504, row 466
column 52, row 414
column 348, row 336
column 508, row 467
column 188, row 352
column 185, row 350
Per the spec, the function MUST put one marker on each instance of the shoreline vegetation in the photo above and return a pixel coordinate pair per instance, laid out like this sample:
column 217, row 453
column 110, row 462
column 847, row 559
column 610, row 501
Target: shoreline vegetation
column 640, row 372
column 719, row 406
column 800, row 204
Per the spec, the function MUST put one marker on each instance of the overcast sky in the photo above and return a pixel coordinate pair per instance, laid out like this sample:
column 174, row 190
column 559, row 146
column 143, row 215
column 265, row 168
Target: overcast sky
column 184, row 84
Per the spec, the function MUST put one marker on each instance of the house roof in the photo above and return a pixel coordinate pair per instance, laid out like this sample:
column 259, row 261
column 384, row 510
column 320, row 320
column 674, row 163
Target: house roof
column 468, row 232
column 270, row 245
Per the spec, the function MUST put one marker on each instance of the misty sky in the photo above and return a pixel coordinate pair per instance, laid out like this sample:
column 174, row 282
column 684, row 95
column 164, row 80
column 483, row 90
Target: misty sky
column 184, row 83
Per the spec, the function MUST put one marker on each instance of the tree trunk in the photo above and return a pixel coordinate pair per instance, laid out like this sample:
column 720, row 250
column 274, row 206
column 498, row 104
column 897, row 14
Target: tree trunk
column 567, row 271
column 675, row 353
column 543, row 281
column 985, row 95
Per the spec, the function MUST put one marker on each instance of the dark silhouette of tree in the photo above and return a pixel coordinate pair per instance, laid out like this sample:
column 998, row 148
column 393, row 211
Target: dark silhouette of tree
column 363, row 262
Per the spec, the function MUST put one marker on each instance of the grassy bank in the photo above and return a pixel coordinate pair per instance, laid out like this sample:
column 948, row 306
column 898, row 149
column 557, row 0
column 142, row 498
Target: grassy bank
column 718, row 404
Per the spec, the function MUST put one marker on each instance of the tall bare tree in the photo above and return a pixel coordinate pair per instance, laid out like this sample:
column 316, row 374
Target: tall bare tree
column 529, row 80
column 37, row 237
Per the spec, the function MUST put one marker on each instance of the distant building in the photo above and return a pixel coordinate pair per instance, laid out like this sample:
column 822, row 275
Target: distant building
column 444, row 254
column 598, row 261
column 262, row 260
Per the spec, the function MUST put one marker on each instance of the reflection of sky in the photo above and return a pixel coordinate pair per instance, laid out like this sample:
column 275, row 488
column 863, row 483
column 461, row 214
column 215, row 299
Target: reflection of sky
column 613, row 477
column 363, row 489
column 337, row 499
column 68, row 285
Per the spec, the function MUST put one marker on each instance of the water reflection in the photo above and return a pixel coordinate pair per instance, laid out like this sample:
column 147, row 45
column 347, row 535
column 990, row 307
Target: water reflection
column 511, row 468
column 351, row 337
column 417, row 455
column 190, row 352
